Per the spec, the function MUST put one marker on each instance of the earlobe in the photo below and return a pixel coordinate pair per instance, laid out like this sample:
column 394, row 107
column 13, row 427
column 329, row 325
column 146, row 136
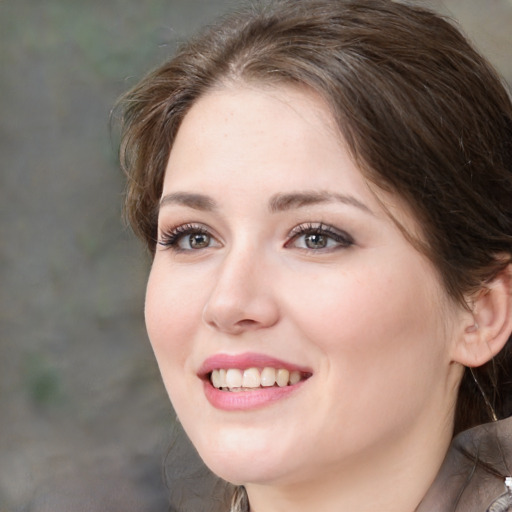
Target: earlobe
column 488, row 326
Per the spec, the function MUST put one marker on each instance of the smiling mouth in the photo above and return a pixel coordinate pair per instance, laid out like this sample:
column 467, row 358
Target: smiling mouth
column 236, row 380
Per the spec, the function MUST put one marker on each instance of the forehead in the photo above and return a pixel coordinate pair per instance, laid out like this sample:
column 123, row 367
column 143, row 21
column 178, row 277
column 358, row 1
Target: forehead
column 253, row 135
column 252, row 131
column 260, row 109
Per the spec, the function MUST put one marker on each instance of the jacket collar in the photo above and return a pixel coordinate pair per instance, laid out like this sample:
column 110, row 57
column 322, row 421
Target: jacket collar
column 473, row 473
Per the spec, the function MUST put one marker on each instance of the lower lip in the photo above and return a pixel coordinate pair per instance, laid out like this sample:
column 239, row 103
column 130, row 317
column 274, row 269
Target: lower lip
column 246, row 400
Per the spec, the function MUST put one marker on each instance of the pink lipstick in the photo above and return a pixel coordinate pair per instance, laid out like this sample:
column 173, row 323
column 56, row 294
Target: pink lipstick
column 250, row 380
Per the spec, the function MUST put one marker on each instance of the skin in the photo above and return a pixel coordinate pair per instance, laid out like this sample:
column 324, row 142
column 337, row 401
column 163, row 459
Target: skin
column 370, row 319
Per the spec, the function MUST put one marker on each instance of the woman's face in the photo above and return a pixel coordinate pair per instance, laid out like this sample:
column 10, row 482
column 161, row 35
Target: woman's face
column 277, row 265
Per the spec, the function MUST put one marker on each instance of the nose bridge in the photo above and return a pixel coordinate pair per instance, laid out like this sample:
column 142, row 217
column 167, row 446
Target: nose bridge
column 241, row 297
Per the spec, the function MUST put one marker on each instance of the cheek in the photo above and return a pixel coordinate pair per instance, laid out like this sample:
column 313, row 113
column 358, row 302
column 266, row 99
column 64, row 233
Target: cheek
column 171, row 314
column 354, row 305
column 383, row 350
column 374, row 320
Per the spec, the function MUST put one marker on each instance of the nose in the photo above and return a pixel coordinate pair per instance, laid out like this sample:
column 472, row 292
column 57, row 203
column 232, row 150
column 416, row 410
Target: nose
column 242, row 297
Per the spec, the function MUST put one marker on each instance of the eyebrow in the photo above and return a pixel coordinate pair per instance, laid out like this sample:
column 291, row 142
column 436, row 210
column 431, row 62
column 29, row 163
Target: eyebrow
column 194, row 201
column 283, row 202
column 277, row 203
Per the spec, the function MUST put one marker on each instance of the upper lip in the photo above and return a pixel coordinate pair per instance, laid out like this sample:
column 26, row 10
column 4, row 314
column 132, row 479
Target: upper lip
column 244, row 361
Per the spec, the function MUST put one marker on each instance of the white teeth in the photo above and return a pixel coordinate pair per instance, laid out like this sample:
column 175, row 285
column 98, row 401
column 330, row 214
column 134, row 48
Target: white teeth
column 295, row 377
column 215, row 379
column 218, row 378
column 252, row 378
column 268, row 377
column 282, row 377
column 234, row 378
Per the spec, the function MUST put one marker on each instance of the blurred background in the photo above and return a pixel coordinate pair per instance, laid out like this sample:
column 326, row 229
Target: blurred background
column 85, row 424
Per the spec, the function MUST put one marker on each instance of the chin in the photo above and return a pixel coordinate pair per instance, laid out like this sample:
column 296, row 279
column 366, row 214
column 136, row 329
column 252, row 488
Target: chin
column 240, row 459
column 247, row 470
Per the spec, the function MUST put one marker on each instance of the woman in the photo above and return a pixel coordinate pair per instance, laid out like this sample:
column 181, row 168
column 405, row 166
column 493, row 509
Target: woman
column 325, row 187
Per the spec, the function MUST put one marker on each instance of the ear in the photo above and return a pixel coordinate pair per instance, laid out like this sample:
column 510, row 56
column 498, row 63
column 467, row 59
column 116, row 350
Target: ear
column 487, row 327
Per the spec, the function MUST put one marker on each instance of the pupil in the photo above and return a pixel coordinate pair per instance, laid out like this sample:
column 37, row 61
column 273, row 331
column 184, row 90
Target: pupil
column 316, row 241
column 199, row 241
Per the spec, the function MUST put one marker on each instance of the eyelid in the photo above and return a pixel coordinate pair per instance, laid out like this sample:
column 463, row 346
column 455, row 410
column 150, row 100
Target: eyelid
column 169, row 238
column 343, row 239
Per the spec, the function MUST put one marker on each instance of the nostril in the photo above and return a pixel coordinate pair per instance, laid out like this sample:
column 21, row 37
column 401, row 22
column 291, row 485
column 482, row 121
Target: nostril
column 246, row 323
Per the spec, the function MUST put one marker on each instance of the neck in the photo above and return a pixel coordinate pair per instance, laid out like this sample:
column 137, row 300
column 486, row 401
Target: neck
column 395, row 479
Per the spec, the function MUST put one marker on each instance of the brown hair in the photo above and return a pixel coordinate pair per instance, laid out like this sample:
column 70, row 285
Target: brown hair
column 423, row 114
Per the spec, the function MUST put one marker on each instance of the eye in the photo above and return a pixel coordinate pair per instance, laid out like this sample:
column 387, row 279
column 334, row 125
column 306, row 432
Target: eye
column 318, row 236
column 187, row 237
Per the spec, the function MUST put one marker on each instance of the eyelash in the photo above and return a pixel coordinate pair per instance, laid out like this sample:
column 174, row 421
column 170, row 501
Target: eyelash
column 341, row 238
column 171, row 239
